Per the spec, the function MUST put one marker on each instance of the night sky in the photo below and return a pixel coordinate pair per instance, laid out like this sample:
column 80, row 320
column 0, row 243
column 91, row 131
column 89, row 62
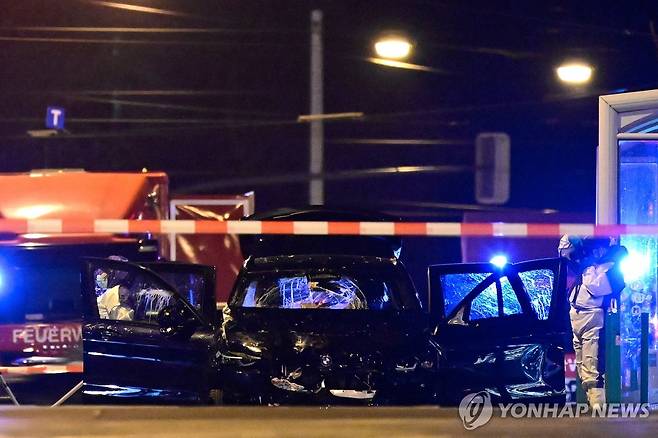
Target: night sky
column 212, row 98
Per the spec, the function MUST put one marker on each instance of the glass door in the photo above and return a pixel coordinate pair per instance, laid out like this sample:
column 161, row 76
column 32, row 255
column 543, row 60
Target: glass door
column 638, row 189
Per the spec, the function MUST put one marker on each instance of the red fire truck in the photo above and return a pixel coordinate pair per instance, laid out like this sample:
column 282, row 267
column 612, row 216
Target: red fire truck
column 40, row 332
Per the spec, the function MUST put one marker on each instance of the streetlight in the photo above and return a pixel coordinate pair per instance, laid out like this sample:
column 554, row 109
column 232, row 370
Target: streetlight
column 574, row 73
column 393, row 47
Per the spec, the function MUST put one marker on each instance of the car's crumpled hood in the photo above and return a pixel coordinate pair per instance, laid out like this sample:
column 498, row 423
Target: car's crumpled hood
column 279, row 332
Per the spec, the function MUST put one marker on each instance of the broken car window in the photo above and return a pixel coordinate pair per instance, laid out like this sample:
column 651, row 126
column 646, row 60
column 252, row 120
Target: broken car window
column 539, row 285
column 127, row 296
column 485, row 305
column 511, row 305
column 188, row 285
column 456, row 286
column 318, row 290
column 322, row 291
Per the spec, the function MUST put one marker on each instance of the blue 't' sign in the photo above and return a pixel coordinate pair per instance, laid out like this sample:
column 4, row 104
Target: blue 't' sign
column 55, row 117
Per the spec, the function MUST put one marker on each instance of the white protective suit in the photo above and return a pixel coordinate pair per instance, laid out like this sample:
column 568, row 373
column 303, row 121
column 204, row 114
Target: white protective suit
column 587, row 315
column 110, row 307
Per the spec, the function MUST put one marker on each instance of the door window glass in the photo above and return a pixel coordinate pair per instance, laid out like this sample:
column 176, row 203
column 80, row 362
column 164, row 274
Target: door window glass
column 123, row 295
column 189, row 285
column 485, row 305
column 511, row 305
column 538, row 284
column 456, row 286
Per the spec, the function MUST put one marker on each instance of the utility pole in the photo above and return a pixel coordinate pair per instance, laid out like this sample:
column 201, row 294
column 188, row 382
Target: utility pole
column 316, row 188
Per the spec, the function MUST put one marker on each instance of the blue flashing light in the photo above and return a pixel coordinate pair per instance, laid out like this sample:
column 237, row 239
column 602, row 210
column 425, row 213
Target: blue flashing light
column 634, row 267
column 499, row 261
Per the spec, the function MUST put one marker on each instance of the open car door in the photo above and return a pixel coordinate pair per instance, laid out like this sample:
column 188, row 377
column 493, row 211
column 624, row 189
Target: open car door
column 148, row 332
column 501, row 330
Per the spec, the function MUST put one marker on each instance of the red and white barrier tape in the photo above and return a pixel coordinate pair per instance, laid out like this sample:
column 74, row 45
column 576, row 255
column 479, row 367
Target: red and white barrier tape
column 30, row 370
column 496, row 229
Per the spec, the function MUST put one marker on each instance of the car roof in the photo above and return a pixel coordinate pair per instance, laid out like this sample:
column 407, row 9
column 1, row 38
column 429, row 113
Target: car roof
column 317, row 260
column 316, row 213
column 274, row 245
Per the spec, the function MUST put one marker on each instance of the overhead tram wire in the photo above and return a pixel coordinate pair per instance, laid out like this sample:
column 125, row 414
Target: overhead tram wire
column 73, row 40
column 366, row 118
column 163, row 131
column 170, row 92
column 302, row 177
column 384, row 117
column 145, row 42
column 155, row 30
column 116, row 121
column 127, row 7
column 153, row 92
column 399, row 141
column 168, row 106
column 478, row 50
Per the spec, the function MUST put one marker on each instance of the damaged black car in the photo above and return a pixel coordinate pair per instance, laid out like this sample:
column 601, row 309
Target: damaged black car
column 322, row 328
column 329, row 319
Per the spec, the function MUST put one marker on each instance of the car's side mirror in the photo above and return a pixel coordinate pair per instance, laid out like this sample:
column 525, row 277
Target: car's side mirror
column 176, row 320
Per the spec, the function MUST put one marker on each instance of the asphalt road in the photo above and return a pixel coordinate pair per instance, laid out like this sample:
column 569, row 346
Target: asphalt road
column 165, row 422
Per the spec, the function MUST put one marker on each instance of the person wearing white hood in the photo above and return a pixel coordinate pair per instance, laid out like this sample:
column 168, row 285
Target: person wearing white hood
column 595, row 280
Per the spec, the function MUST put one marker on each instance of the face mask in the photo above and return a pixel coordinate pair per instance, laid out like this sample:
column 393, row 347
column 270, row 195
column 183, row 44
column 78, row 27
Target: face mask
column 101, row 280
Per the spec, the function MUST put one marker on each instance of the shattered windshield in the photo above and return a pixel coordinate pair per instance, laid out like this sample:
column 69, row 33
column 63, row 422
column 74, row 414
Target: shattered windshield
column 321, row 289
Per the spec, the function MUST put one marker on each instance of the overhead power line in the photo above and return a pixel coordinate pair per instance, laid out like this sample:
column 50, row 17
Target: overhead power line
column 155, row 93
column 551, row 99
column 164, row 131
column 144, row 9
column 144, row 42
column 329, row 176
column 399, row 141
column 367, row 118
column 117, row 121
column 171, row 92
column 496, row 51
column 169, row 106
column 157, row 30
